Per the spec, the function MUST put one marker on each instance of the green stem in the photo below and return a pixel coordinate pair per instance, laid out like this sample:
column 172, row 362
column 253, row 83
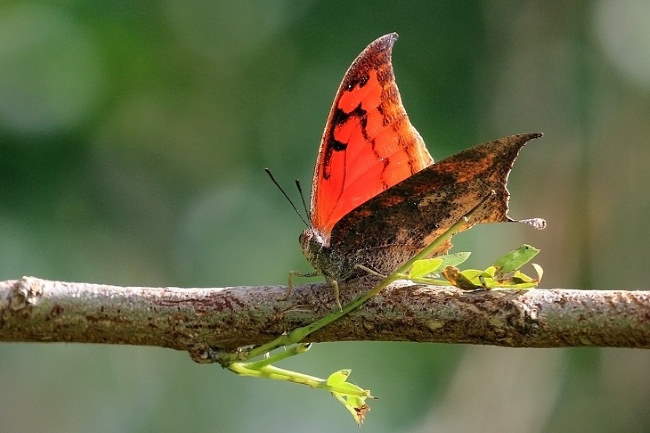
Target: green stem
column 289, row 352
column 428, row 281
column 276, row 373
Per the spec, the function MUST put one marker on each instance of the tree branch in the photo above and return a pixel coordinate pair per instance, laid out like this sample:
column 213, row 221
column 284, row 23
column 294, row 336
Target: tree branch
column 196, row 320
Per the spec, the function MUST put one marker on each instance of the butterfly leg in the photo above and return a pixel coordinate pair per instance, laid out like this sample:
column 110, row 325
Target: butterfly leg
column 296, row 274
column 337, row 293
column 370, row 271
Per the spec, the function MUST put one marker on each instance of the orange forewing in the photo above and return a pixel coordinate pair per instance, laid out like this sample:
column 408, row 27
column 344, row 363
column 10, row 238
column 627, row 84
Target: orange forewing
column 368, row 144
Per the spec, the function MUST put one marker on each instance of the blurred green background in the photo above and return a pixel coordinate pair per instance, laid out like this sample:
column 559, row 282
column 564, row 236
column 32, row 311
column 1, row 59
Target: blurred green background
column 132, row 140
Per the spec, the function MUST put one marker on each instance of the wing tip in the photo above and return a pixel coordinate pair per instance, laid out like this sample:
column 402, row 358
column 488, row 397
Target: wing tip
column 530, row 135
column 517, row 140
column 376, row 55
column 526, row 136
column 389, row 38
column 382, row 43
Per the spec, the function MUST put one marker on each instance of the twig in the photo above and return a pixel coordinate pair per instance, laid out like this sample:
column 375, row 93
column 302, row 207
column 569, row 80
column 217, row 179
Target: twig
column 201, row 320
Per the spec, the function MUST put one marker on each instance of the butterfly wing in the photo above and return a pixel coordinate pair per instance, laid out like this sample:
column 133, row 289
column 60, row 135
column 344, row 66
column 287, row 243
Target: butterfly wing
column 405, row 218
column 368, row 144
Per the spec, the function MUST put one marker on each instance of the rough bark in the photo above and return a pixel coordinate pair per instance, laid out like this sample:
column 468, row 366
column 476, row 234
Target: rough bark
column 194, row 320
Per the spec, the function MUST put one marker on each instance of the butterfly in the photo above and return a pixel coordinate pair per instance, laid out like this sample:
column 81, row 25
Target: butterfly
column 377, row 197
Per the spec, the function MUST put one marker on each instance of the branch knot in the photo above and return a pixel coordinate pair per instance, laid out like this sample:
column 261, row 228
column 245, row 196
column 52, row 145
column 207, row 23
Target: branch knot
column 26, row 292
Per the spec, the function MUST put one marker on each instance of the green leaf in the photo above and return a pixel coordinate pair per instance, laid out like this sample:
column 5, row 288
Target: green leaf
column 453, row 259
column 490, row 271
column 488, row 282
column 473, row 274
column 352, row 390
column 520, row 277
column 515, row 259
column 519, row 286
column 338, row 377
column 516, row 280
column 351, row 396
column 425, row 267
column 355, row 405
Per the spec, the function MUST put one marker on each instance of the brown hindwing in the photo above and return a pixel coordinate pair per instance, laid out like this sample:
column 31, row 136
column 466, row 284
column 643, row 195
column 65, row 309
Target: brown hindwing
column 388, row 229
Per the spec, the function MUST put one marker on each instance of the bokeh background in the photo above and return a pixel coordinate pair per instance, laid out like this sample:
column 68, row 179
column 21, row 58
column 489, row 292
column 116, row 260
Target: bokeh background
column 133, row 135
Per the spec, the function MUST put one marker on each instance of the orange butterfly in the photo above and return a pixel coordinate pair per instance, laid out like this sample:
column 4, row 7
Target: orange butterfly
column 377, row 197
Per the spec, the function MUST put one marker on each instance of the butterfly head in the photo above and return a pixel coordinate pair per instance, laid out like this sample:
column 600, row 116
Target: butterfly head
column 311, row 242
column 326, row 260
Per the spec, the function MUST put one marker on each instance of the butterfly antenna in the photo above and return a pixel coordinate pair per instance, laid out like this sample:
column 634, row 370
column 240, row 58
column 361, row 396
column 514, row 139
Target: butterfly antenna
column 302, row 197
column 275, row 182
